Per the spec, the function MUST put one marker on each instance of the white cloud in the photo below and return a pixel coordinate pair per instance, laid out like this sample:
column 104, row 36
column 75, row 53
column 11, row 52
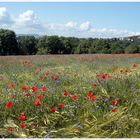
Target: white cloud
column 71, row 24
column 5, row 18
column 25, row 19
column 28, row 22
column 109, row 33
column 85, row 26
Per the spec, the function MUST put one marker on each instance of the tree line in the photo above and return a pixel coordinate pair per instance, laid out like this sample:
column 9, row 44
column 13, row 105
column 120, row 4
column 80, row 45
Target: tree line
column 10, row 44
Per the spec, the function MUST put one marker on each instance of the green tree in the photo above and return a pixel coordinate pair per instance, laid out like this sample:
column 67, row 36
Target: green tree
column 102, row 46
column 8, row 42
column 116, row 48
column 67, row 46
column 132, row 48
column 83, row 47
column 51, row 44
column 27, row 45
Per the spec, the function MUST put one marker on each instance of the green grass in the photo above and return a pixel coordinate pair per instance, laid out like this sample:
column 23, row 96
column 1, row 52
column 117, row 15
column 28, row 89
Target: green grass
column 76, row 74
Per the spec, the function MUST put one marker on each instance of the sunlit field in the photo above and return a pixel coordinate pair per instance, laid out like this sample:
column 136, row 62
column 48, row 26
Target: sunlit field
column 67, row 96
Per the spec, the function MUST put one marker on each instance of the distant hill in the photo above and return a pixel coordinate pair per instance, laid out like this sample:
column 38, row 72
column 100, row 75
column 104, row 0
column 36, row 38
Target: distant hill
column 129, row 38
column 35, row 35
column 132, row 38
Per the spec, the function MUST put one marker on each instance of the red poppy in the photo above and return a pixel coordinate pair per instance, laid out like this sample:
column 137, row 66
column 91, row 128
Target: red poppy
column 27, row 95
column 126, row 70
column 105, row 76
column 44, row 89
column 34, row 89
column 61, row 106
column 47, row 73
column 94, row 84
column 11, row 86
column 98, row 76
column 25, row 88
column 13, row 96
column 74, row 97
column 113, row 110
column 89, row 95
column 121, row 70
column 39, row 97
column 93, row 97
column 10, row 129
column 115, row 102
column 119, row 100
column 9, row 105
column 22, row 125
column 53, row 109
column 22, row 118
column 37, row 103
column 40, row 77
column 52, row 73
column 66, row 93
column 135, row 65
column 114, row 69
column 55, row 78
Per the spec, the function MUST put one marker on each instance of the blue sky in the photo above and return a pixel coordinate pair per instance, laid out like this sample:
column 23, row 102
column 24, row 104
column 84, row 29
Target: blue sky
column 79, row 19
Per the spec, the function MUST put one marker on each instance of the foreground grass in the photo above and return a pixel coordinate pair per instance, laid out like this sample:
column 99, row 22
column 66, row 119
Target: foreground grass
column 70, row 96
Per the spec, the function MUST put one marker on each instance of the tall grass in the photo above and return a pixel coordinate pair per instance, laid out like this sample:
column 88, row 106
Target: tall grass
column 103, row 96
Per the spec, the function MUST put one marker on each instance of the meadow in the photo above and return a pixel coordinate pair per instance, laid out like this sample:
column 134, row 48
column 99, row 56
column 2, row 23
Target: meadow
column 70, row 96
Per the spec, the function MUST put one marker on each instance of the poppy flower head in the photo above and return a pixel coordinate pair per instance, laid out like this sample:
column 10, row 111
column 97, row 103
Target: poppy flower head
column 37, row 103
column 89, row 95
column 22, row 118
column 121, row 70
column 135, row 65
column 98, row 76
column 25, row 88
column 53, row 109
column 94, row 84
column 40, row 97
column 66, row 93
column 113, row 110
column 115, row 102
column 93, row 97
column 119, row 100
column 114, row 69
column 9, row 105
column 55, row 78
column 75, row 97
column 22, row 126
column 10, row 129
column 27, row 95
column 40, row 77
column 11, row 86
column 34, row 89
column 61, row 106
column 43, row 89
column 105, row 76
column 126, row 70
column 47, row 73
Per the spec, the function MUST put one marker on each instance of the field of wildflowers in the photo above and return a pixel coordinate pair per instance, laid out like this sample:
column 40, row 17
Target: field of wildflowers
column 67, row 96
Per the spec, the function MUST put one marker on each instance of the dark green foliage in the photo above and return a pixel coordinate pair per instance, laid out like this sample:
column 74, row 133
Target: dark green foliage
column 51, row 45
column 29, row 45
column 8, row 43
column 132, row 48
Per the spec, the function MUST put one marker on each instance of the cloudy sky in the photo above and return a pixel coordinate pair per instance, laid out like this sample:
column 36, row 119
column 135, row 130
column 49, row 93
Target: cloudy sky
column 103, row 20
